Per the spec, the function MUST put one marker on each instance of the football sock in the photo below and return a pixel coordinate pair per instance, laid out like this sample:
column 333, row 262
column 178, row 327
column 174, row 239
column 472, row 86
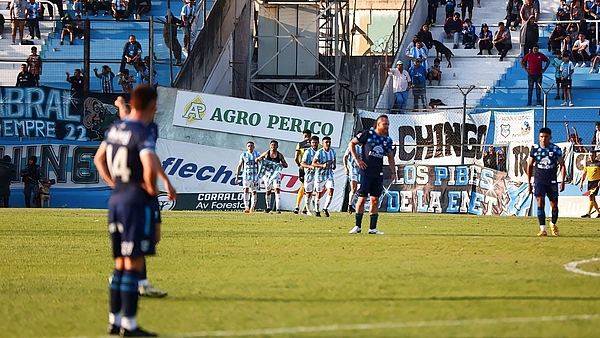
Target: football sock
column 300, row 196
column 277, row 201
column 308, row 202
column 327, row 202
column 541, row 215
column 129, row 323
column 317, row 203
column 358, row 217
column 129, row 293
column 596, row 207
column 114, row 319
column 373, row 221
column 247, row 200
column 542, row 227
column 252, row 201
column 115, row 296
column 554, row 215
column 590, row 206
column 268, row 200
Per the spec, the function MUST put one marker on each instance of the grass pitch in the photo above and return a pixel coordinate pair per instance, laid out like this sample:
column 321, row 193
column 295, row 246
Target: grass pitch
column 258, row 275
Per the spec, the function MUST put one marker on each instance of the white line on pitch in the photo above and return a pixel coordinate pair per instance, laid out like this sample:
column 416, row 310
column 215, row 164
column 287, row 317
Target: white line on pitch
column 332, row 328
column 572, row 266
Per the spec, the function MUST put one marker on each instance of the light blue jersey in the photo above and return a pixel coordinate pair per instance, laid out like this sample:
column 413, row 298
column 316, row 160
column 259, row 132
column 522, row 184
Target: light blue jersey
column 309, row 155
column 250, row 166
column 323, row 157
column 351, row 163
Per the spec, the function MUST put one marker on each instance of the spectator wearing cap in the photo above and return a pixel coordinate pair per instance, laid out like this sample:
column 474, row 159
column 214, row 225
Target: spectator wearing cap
column 106, row 78
column 535, row 64
column 452, row 29
column 581, row 51
column 34, row 65
column 529, row 35
column 502, row 40
column 401, row 84
column 485, row 40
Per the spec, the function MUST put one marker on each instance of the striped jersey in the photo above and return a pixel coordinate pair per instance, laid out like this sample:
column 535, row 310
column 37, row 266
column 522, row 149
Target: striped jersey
column 250, row 166
column 323, row 157
column 309, row 155
column 351, row 163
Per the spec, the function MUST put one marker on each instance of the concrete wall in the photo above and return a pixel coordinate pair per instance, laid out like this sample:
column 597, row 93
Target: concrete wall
column 223, row 20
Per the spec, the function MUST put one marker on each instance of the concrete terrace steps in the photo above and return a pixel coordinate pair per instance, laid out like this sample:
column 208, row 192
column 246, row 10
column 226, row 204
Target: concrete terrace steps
column 482, row 71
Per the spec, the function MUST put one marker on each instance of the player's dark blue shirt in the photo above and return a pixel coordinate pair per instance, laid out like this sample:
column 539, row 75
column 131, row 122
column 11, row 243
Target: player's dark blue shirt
column 545, row 162
column 374, row 148
column 125, row 141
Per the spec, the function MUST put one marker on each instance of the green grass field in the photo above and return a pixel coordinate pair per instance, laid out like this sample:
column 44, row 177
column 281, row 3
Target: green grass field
column 258, row 275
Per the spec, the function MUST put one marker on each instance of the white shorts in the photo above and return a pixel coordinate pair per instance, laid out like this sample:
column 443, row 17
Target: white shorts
column 327, row 184
column 252, row 185
column 309, row 184
column 353, row 176
column 275, row 185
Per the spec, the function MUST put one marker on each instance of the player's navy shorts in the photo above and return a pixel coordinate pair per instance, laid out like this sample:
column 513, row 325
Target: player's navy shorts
column 592, row 185
column 132, row 229
column 156, row 211
column 370, row 185
column 301, row 174
column 550, row 190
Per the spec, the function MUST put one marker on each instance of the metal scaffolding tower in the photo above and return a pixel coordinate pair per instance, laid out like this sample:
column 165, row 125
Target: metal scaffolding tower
column 300, row 52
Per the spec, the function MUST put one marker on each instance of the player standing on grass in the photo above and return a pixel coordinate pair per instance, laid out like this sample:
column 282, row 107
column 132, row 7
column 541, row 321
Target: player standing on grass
column 324, row 163
column 375, row 144
column 309, row 172
column 126, row 161
column 250, row 178
column 274, row 156
column 298, row 155
column 144, row 287
column 351, row 169
column 592, row 169
column 546, row 157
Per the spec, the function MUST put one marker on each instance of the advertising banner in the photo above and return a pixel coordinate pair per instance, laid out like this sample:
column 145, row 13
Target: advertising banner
column 514, row 127
column 49, row 113
column 456, row 189
column 435, row 138
column 205, row 177
column 247, row 117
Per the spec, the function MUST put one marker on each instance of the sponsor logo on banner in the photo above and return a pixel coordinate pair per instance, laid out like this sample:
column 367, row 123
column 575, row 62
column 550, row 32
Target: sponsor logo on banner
column 198, row 171
column 514, row 127
column 435, row 138
column 247, row 117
